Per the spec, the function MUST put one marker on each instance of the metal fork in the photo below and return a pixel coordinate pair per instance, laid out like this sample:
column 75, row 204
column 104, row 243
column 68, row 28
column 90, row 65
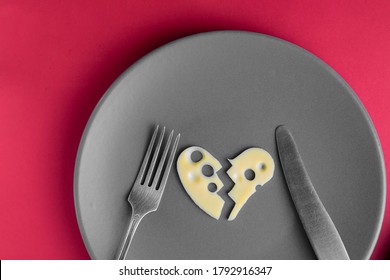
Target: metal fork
column 145, row 196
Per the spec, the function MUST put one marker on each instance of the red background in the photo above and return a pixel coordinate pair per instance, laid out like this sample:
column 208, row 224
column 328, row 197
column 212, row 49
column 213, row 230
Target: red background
column 57, row 58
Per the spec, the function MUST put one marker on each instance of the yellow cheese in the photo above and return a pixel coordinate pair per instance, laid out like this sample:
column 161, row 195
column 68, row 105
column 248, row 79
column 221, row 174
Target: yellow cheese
column 201, row 184
column 251, row 168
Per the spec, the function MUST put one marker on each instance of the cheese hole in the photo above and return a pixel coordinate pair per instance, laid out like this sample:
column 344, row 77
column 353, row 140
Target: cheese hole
column 212, row 187
column 207, row 170
column 196, row 156
column 262, row 166
column 249, row 174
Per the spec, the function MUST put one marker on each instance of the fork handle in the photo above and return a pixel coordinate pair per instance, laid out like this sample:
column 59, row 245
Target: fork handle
column 128, row 236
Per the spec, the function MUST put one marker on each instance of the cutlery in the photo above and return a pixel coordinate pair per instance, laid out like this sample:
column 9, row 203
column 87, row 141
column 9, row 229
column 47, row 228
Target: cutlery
column 318, row 225
column 146, row 193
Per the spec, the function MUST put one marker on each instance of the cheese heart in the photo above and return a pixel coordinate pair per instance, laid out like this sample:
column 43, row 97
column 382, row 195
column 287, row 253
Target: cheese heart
column 251, row 168
column 200, row 180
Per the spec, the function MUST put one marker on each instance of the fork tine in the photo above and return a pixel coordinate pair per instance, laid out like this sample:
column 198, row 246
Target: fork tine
column 147, row 155
column 154, row 159
column 162, row 160
column 169, row 164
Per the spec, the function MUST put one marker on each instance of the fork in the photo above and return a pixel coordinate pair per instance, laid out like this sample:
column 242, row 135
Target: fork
column 146, row 193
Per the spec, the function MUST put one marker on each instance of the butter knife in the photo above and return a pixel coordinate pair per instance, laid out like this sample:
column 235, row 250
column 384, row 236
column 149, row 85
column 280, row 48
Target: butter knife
column 319, row 227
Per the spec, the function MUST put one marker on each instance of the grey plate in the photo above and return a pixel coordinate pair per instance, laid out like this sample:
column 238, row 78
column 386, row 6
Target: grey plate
column 227, row 91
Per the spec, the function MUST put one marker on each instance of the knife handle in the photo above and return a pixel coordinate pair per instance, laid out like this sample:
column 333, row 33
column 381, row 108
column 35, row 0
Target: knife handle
column 318, row 225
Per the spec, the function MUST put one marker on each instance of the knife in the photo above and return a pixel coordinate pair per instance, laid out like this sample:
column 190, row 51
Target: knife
column 319, row 227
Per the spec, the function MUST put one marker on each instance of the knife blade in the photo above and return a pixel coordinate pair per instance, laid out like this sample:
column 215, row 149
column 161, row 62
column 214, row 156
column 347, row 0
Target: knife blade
column 319, row 227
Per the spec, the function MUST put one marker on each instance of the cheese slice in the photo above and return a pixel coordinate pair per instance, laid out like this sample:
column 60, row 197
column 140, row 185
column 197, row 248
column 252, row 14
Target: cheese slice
column 202, row 187
column 251, row 168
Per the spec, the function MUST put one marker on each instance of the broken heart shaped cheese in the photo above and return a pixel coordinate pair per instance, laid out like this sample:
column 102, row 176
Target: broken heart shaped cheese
column 200, row 185
column 251, row 168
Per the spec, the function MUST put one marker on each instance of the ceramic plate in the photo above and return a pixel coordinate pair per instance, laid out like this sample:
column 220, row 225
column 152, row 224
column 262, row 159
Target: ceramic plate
column 228, row 91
